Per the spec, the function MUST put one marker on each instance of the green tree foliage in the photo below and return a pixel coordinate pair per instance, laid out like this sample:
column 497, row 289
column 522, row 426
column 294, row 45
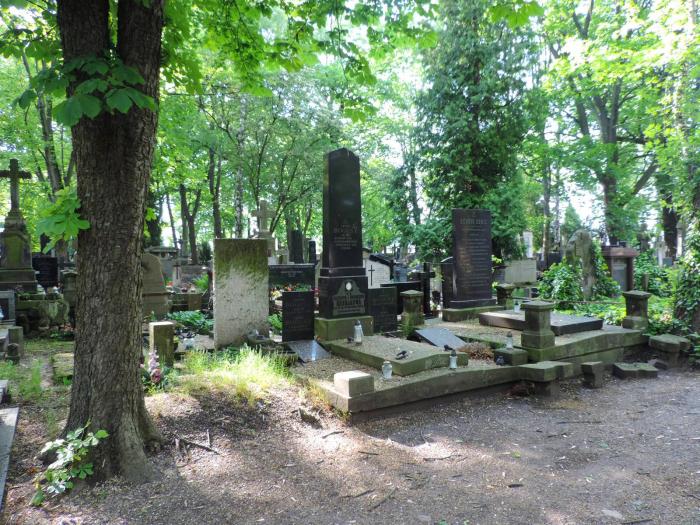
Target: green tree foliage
column 472, row 118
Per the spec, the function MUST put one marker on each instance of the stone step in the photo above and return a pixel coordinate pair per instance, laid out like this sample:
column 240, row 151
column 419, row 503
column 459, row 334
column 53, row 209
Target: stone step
column 669, row 343
column 8, row 423
column 634, row 370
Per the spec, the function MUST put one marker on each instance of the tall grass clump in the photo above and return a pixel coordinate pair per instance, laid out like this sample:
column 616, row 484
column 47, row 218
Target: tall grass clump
column 239, row 373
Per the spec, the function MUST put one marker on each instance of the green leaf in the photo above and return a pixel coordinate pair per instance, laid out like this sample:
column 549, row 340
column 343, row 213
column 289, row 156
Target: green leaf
column 26, row 98
column 119, row 99
column 68, row 112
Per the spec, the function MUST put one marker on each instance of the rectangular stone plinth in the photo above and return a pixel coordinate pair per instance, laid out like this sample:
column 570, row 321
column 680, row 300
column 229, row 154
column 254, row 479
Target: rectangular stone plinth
column 376, row 349
column 561, row 324
column 514, row 356
column 353, row 383
column 669, row 343
column 331, row 329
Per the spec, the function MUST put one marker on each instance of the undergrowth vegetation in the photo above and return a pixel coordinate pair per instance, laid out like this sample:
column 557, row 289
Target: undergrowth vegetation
column 244, row 373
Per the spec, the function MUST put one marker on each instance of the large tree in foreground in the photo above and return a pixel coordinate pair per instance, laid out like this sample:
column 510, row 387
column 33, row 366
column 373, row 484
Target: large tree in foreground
column 111, row 66
column 113, row 154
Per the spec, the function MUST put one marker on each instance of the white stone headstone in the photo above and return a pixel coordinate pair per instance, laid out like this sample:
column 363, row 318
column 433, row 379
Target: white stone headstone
column 529, row 246
column 241, row 300
column 660, row 250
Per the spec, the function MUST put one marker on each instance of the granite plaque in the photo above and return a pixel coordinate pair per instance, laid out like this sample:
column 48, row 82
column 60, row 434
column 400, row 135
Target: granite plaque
column 382, row 307
column 471, row 258
column 308, row 351
column 440, row 337
column 292, row 274
column 297, row 316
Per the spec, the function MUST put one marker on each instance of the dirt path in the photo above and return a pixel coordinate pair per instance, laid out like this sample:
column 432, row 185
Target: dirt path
column 628, row 453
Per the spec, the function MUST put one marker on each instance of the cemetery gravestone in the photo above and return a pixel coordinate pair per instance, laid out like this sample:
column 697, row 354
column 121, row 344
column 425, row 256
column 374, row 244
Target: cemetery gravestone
column 155, row 297
column 580, row 247
column 7, row 304
column 298, row 316
column 240, row 289
column 296, row 247
column 620, row 261
column 471, row 258
column 16, row 269
column 448, row 285
column 47, row 268
column 382, row 308
column 313, row 258
column 529, row 245
column 342, row 282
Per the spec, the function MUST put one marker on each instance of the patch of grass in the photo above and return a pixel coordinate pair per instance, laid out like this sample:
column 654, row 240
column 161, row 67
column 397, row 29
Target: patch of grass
column 24, row 380
column 239, row 373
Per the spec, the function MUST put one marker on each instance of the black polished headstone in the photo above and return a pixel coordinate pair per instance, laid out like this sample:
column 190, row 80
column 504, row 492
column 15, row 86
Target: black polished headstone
column 291, row 274
column 382, row 307
column 297, row 316
column 342, row 220
column 448, row 284
column 342, row 284
column 48, row 270
column 313, row 258
column 296, row 247
column 471, row 258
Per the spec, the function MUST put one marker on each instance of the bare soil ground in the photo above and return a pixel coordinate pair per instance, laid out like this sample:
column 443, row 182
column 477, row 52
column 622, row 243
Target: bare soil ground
column 628, row 453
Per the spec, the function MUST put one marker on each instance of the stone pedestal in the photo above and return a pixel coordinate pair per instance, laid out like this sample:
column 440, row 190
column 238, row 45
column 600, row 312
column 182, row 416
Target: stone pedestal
column 637, row 310
column 538, row 333
column 161, row 336
column 16, row 270
column 331, row 329
column 155, row 297
column 504, row 295
column 412, row 308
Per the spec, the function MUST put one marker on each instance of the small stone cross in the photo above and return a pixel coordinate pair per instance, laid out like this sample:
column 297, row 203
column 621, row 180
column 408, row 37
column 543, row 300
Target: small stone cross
column 262, row 215
column 14, row 175
column 371, row 274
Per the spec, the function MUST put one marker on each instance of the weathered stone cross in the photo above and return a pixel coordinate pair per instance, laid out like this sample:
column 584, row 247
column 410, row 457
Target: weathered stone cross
column 262, row 215
column 14, row 175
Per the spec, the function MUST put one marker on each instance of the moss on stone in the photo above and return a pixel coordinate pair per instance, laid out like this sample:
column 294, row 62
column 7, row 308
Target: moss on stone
column 243, row 256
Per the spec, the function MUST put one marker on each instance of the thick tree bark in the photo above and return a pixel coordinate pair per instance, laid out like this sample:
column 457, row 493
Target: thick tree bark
column 113, row 154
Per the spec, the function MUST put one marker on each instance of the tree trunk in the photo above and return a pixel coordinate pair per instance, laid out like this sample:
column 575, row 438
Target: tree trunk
column 238, row 192
column 214, row 178
column 173, row 230
column 155, row 232
column 113, row 159
column 189, row 215
column 413, row 193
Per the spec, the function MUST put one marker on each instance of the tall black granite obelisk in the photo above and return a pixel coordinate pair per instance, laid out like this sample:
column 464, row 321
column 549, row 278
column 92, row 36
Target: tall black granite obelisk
column 342, row 283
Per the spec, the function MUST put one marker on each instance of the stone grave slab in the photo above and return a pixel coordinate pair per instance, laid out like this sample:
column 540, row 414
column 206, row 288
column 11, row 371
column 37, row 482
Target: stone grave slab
column 298, row 316
column 62, row 364
column 382, row 307
column 562, row 324
column 308, row 351
column 8, row 423
column 374, row 350
column 440, row 337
